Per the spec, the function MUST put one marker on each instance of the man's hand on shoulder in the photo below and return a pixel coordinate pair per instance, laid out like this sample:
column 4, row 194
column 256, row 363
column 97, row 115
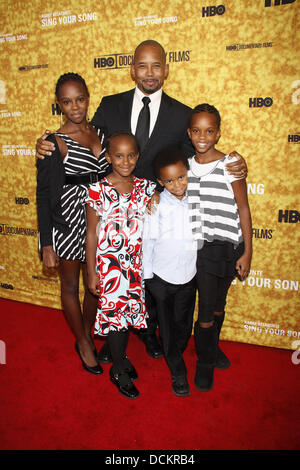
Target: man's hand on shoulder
column 44, row 147
column 153, row 203
column 238, row 167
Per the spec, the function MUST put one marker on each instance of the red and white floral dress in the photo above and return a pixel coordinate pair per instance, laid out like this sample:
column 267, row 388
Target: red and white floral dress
column 119, row 252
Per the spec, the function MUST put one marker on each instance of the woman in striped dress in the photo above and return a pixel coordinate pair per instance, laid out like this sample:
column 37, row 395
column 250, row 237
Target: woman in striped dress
column 221, row 222
column 62, row 186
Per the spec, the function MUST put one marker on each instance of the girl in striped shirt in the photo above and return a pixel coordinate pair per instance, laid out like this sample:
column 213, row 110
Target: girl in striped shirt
column 221, row 223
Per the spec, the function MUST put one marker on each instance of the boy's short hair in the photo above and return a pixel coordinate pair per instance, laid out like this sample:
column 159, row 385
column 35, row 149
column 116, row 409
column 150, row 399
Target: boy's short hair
column 169, row 156
column 206, row 108
column 112, row 136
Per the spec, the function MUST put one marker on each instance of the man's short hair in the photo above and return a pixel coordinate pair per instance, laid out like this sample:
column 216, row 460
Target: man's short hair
column 149, row 42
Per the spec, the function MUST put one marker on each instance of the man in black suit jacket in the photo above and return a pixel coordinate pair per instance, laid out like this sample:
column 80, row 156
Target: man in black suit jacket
column 114, row 114
column 168, row 127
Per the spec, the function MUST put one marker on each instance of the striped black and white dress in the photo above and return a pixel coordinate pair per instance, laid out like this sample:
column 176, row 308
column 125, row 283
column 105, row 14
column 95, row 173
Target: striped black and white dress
column 70, row 243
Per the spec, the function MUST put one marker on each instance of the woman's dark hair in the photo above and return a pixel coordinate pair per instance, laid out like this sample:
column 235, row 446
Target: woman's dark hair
column 70, row 77
column 206, row 108
column 168, row 156
column 112, row 136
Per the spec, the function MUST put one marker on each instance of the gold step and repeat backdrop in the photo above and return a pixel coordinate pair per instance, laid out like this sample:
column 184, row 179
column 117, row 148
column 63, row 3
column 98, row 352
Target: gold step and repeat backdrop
column 241, row 56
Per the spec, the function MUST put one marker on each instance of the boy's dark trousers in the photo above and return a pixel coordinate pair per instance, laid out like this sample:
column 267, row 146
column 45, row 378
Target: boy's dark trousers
column 175, row 305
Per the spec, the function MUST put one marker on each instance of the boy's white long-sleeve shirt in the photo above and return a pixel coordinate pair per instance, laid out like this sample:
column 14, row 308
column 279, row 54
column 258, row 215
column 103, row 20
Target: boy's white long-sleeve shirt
column 169, row 250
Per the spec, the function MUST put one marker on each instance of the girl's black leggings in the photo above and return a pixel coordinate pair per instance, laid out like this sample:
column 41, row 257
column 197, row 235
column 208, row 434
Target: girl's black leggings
column 212, row 293
column 117, row 341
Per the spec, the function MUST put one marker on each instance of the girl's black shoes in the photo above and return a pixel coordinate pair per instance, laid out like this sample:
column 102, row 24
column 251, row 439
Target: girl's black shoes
column 130, row 369
column 124, row 383
column 96, row 370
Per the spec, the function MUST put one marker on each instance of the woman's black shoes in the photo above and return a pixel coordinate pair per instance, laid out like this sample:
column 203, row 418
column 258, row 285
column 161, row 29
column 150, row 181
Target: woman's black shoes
column 124, row 383
column 96, row 370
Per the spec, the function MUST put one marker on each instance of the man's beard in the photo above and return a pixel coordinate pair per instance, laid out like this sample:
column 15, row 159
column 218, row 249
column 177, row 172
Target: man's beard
column 151, row 90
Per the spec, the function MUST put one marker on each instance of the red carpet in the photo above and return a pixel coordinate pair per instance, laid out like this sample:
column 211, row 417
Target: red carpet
column 49, row 402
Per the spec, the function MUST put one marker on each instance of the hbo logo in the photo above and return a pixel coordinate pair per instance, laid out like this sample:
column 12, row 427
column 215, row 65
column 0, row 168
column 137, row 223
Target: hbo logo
column 288, row 216
column 103, row 62
column 213, row 10
column 22, row 200
column 260, row 102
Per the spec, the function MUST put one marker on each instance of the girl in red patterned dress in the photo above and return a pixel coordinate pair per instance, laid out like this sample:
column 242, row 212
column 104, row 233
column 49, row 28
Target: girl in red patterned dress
column 115, row 215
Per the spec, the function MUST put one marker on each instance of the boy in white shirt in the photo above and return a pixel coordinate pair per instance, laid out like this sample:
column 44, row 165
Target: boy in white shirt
column 169, row 260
